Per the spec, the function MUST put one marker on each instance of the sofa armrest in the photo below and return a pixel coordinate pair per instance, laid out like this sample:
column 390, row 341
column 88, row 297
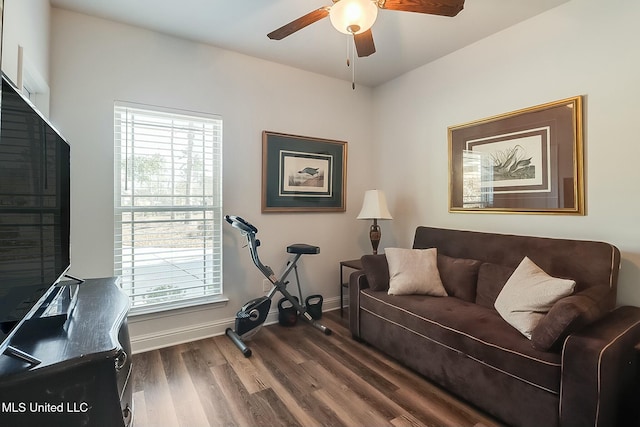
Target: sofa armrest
column 357, row 281
column 599, row 367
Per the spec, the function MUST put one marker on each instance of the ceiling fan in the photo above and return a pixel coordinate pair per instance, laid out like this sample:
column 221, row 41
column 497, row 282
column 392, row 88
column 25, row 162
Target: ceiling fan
column 356, row 17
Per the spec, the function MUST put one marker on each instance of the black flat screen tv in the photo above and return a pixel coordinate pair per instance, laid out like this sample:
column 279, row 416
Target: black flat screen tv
column 34, row 210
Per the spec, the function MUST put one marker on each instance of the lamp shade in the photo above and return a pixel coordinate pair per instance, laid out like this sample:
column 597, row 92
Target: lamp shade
column 353, row 16
column 374, row 206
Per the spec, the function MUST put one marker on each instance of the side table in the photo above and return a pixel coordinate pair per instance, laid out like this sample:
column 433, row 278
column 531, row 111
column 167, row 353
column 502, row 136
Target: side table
column 354, row 264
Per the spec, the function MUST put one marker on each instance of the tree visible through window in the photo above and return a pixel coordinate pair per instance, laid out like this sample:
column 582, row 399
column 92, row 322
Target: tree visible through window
column 168, row 206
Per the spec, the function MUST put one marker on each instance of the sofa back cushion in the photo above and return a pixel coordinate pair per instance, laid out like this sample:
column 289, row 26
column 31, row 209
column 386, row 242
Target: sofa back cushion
column 376, row 269
column 589, row 263
column 459, row 276
column 491, row 279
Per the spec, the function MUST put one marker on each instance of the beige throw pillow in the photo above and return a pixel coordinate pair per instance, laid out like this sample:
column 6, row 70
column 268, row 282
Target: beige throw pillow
column 528, row 295
column 414, row 271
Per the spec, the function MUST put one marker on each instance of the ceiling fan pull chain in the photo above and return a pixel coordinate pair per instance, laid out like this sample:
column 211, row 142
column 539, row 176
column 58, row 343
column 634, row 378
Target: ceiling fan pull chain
column 348, row 52
column 353, row 69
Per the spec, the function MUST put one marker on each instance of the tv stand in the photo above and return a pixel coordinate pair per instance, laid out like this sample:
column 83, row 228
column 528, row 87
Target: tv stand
column 83, row 375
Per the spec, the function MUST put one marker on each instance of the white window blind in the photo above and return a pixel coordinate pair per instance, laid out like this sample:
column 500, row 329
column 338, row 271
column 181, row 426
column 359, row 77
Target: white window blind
column 168, row 206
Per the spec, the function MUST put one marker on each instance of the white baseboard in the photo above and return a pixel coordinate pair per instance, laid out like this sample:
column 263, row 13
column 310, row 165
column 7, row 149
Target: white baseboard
column 188, row 333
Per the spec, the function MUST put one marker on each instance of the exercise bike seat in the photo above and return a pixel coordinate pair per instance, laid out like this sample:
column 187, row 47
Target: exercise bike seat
column 302, row 248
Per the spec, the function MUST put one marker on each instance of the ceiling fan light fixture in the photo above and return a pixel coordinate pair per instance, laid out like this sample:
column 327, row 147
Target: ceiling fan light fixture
column 353, row 16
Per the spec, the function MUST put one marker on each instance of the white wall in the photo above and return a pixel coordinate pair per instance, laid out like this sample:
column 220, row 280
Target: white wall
column 95, row 62
column 584, row 47
column 26, row 24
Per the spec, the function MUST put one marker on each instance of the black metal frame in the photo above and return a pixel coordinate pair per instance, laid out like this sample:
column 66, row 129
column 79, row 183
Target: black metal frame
column 279, row 285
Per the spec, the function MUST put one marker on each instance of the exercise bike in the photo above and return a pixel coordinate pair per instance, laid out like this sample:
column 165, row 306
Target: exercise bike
column 253, row 314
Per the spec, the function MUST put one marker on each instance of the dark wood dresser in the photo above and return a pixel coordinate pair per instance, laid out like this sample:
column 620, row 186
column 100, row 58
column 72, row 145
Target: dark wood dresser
column 84, row 375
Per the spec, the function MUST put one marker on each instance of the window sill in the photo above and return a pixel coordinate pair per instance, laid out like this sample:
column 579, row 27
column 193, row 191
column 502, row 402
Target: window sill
column 170, row 308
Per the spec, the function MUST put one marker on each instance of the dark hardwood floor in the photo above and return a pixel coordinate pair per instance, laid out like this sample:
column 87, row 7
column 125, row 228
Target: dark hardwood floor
column 296, row 377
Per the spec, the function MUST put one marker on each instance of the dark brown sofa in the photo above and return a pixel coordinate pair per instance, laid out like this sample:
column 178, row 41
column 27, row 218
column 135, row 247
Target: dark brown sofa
column 583, row 378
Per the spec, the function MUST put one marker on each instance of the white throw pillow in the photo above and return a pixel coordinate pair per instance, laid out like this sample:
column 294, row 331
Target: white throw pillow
column 529, row 294
column 414, row 271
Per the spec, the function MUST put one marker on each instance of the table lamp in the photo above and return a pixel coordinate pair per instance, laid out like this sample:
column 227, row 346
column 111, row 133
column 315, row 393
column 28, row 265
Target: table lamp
column 374, row 207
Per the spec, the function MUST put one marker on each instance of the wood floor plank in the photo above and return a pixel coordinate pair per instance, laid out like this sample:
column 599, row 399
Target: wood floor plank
column 268, row 410
column 406, row 421
column 388, row 397
column 296, row 377
column 341, row 356
column 246, row 371
column 290, row 374
column 209, row 351
column 293, row 385
column 346, row 413
column 158, row 396
column 305, row 413
column 141, row 374
column 360, row 385
column 335, row 393
column 284, row 334
column 140, row 408
column 212, row 399
column 183, row 392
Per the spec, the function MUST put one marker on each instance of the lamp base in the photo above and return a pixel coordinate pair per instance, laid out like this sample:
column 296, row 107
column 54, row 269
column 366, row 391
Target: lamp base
column 374, row 235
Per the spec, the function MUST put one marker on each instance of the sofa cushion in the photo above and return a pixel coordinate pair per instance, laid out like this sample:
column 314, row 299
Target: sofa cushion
column 529, row 294
column 566, row 316
column 376, row 269
column 478, row 332
column 414, row 271
column 459, row 276
column 491, row 280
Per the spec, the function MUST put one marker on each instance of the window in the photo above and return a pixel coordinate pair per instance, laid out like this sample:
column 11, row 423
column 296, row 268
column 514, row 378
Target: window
column 168, row 206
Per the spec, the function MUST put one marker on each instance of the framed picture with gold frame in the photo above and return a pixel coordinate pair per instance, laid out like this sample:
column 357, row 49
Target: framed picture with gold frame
column 303, row 174
column 526, row 161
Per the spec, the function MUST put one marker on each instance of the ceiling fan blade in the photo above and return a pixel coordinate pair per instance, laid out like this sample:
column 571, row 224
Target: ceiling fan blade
column 364, row 43
column 432, row 7
column 298, row 24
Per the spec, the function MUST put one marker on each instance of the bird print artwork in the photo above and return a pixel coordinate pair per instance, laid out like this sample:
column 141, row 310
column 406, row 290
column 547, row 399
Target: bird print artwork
column 308, row 176
column 310, row 171
column 303, row 172
column 512, row 163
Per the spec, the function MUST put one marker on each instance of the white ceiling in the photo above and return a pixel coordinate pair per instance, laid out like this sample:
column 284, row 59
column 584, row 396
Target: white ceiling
column 403, row 40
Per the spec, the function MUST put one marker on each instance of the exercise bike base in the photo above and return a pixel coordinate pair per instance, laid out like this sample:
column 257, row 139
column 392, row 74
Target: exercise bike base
column 321, row 328
column 246, row 351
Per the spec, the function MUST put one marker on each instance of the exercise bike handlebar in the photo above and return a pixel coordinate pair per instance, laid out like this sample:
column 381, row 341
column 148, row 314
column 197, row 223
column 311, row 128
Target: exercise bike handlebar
column 250, row 231
column 240, row 224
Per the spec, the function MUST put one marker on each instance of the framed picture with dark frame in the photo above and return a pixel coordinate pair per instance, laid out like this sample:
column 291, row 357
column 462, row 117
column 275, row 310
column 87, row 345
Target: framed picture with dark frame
column 526, row 161
column 303, row 174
